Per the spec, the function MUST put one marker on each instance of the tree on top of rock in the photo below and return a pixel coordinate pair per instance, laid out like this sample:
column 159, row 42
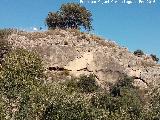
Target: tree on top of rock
column 70, row 15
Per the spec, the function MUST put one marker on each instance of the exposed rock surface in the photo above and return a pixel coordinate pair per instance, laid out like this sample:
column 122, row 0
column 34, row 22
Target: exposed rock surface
column 82, row 53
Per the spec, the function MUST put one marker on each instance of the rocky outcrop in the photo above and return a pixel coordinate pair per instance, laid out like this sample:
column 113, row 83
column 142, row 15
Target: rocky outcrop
column 82, row 53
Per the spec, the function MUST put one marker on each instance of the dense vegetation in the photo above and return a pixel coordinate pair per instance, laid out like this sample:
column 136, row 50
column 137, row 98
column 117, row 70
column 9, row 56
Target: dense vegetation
column 21, row 82
column 25, row 95
column 4, row 45
column 70, row 15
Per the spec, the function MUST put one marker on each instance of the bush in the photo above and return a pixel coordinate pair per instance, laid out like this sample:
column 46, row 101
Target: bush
column 21, row 85
column 70, row 15
column 128, row 97
column 154, row 111
column 72, row 85
column 66, row 105
column 154, row 57
column 123, row 101
column 128, row 106
column 72, row 107
column 124, row 83
column 4, row 49
column 4, row 33
column 4, row 45
column 87, row 84
column 138, row 53
column 83, row 84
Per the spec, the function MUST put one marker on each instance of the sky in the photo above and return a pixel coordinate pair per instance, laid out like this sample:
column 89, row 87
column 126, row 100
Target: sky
column 135, row 26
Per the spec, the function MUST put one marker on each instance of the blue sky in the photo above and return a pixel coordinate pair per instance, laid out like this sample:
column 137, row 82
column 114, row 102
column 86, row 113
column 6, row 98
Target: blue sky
column 135, row 26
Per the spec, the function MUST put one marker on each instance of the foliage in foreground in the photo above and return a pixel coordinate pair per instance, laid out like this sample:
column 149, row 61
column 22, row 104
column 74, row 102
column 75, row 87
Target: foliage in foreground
column 94, row 105
column 21, row 84
column 25, row 96
column 154, row 112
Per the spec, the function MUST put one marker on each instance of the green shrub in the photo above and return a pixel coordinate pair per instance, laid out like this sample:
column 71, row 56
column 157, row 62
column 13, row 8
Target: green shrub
column 123, row 101
column 83, row 84
column 72, row 85
column 21, row 85
column 104, row 101
column 66, row 105
column 2, row 108
column 128, row 97
column 138, row 53
column 4, row 45
column 128, row 105
column 72, row 107
column 4, row 33
column 87, row 84
column 154, row 112
column 154, row 57
column 4, row 49
column 124, row 83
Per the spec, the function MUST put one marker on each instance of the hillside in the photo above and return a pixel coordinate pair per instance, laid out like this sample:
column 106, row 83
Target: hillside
column 82, row 53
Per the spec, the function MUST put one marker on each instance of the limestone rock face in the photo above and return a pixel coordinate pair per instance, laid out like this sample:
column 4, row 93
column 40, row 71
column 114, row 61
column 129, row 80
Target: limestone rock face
column 82, row 53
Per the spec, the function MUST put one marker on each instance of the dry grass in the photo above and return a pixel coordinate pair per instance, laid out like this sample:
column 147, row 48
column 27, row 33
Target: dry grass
column 63, row 33
column 32, row 35
column 37, row 35
column 75, row 32
column 102, row 41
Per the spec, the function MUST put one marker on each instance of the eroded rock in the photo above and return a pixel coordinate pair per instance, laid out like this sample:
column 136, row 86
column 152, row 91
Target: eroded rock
column 88, row 54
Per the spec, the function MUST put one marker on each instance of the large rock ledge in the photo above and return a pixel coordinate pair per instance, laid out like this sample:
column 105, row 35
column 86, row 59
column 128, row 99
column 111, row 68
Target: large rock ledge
column 82, row 53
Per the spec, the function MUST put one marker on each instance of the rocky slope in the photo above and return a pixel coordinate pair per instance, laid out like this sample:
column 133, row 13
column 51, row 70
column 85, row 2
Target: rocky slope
column 82, row 53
